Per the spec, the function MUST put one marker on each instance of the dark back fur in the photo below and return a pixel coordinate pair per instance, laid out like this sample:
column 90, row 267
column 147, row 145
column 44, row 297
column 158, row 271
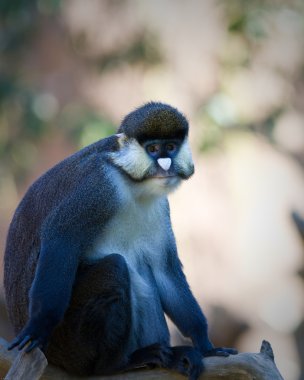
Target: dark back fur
column 42, row 198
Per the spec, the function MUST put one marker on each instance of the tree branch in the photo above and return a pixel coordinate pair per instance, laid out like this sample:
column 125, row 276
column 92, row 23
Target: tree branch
column 245, row 366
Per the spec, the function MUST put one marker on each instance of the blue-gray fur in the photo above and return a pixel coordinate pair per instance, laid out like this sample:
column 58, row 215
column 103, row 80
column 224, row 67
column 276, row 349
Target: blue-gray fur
column 91, row 264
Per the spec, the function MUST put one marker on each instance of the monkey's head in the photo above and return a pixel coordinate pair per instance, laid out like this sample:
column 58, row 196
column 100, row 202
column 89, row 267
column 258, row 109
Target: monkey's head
column 153, row 147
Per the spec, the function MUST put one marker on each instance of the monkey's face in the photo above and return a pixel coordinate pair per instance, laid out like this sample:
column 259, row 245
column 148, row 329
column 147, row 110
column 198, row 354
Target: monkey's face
column 159, row 164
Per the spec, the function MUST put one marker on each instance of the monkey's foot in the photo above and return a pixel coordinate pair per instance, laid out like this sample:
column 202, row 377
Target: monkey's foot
column 187, row 361
column 155, row 355
column 220, row 351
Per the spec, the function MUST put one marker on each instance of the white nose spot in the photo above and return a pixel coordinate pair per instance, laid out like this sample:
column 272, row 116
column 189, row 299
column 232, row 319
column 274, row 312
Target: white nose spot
column 164, row 163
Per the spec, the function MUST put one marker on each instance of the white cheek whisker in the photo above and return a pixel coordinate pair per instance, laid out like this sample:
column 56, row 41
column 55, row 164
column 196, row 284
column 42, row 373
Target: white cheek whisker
column 132, row 158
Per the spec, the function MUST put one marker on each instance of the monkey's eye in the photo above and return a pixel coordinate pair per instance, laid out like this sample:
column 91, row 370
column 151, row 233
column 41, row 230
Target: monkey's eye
column 153, row 148
column 171, row 147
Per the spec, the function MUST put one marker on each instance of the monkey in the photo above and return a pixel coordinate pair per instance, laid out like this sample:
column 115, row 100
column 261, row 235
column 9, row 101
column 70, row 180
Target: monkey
column 91, row 266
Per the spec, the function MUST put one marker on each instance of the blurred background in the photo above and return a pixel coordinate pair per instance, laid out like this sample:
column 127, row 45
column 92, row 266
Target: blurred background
column 70, row 70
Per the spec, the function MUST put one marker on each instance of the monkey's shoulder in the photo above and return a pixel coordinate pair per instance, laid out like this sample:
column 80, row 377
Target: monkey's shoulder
column 74, row 189
column 81, row 165
column 84, row 172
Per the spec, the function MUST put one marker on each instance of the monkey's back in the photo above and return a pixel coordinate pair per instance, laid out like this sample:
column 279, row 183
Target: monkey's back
column 24, row 235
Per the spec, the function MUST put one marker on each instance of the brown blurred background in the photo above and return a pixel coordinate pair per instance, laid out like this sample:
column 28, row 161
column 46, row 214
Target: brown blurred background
column 69, row 72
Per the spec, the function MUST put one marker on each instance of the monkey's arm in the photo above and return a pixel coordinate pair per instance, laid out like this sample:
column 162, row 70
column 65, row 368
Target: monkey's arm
column 180, row 305
column 66, row 234
column 50, row 292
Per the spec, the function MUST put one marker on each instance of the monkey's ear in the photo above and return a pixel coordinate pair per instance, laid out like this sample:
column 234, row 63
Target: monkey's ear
column 122, row 139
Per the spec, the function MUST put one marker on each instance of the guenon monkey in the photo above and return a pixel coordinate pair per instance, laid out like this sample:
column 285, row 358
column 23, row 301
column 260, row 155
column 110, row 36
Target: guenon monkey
column 91, row 263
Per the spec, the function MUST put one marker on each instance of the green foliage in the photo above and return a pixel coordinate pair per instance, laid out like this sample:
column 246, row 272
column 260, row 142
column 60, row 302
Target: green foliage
column 144, row 50
column 83, row 125
column 250, row 25
column 27, row 113
column 30, row 111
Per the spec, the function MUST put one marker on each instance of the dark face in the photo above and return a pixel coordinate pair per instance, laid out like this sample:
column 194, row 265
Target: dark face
column 163, row 152
column 154, row 148
column 162, row 148
column 159, row 163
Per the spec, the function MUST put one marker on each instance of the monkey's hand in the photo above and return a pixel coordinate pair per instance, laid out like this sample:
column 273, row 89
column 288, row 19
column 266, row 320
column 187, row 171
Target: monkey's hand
column 35, row 334
column 220, row 351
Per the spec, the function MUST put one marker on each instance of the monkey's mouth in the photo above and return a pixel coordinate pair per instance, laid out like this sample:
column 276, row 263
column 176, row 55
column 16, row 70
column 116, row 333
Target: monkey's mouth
column 160, row 173
column 162, row 176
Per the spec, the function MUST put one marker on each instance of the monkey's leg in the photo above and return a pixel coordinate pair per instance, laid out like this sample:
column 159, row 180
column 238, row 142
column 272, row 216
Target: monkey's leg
column 93, row 336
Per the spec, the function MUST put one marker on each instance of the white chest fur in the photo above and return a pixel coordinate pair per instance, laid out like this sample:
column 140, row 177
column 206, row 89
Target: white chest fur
column 137, row 231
